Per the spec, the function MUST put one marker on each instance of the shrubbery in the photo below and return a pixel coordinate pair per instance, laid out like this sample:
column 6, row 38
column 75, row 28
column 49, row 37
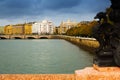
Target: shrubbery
column 83, row 30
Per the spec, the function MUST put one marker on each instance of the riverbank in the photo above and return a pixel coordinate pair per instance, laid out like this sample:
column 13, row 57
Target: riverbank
column 88, row 44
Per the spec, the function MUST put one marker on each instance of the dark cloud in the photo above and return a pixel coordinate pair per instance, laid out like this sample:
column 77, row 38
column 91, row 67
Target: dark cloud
column 59, row 4
column 11, row 8
column 16, row 8
column 34, row 7
column 96, row 5
column 21, row 8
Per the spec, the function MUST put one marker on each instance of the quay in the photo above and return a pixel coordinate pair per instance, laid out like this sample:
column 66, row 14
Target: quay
column 89, row 44
column 42, row 37
column 26, row 36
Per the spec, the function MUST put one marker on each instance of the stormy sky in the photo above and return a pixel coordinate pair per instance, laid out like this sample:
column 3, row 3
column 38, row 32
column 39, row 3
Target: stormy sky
column 21, row 11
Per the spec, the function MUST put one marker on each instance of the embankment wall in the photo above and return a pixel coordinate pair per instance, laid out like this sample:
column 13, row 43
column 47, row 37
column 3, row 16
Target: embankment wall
column 89, row 44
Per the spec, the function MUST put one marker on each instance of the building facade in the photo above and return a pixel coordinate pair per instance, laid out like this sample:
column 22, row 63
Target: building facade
column 8, row 30
column 44, row 27
column 36, row 28
column 27, row 29
column 56, row 30
column 1, row 30
column 64, row 26
column 18, row 29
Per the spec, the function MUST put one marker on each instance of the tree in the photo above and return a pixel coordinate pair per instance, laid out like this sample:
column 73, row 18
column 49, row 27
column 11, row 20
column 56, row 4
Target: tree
column 82, row 30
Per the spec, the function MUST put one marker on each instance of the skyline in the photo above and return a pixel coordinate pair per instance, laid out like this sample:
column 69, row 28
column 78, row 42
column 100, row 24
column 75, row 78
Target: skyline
column 21, row 11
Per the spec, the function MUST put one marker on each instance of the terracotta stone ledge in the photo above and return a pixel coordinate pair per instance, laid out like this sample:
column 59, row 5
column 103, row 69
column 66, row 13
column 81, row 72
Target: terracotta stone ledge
column 108, row 69
column 37, row 77
column 90, row 73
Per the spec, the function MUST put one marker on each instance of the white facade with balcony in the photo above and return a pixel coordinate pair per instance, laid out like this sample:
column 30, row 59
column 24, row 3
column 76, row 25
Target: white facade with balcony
column 44, row 27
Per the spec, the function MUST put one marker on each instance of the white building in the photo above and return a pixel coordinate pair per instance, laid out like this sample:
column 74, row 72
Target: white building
column 44, row 27
column 64, row 26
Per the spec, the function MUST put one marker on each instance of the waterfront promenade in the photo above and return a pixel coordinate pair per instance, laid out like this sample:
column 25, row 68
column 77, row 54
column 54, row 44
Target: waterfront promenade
column 86, row 43
column 26, row 36
column 41, row 37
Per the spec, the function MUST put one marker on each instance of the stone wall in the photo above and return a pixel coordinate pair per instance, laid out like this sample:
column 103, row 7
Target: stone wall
column 89, row 44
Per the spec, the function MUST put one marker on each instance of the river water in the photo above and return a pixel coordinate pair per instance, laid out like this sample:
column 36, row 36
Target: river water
column 41, row 57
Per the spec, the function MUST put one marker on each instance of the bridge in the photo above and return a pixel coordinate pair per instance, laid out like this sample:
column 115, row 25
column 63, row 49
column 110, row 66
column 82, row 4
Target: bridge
column 27, row 37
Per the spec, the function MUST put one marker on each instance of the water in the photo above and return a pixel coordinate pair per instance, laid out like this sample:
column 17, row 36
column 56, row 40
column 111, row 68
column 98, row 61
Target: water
column 41, row 56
